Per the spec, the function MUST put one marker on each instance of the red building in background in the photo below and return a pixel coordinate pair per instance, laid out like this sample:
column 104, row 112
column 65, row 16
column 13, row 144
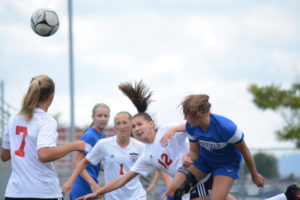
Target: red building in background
column 64, row 165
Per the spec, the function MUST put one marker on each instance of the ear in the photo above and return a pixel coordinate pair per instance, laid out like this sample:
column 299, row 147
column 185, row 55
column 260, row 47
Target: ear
column 152, row 124
column 51, row 96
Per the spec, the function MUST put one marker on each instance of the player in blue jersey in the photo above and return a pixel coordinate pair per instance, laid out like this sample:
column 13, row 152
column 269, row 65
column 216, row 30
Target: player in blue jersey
column 217, row 146
column 87, row 182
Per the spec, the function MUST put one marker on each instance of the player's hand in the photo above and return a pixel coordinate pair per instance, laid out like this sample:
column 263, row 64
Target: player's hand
column 79, row 145
column 259, row 180
column 168, row 136
column 88, row 196
column 149, row 189
column 186, row 161
column 67, row 187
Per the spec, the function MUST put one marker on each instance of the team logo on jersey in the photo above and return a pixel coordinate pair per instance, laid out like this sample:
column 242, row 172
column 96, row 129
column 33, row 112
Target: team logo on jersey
column 211, row 146
column 133, row 157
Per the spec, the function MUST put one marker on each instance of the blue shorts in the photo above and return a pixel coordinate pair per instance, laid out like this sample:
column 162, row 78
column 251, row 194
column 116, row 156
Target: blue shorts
column 227, row 169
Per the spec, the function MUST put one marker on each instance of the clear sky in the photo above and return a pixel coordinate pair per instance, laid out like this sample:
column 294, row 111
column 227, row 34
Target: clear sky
column 177, row 47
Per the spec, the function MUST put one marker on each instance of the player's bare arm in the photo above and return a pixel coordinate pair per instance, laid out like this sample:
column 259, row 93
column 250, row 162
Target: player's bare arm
column 113, row 185
column 79, row 167
column 170, row 133
column 84, row 174
column 166, row 177
column 191, row 156
column 257, row 178
column 47, row 154
column 153, row 183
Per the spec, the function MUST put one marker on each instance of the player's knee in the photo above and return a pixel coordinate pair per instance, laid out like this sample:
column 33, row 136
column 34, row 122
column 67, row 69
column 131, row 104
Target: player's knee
column 171, row 190
column 185, row 187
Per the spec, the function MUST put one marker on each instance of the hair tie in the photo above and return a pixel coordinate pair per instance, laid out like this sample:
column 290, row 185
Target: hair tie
column 100, row 106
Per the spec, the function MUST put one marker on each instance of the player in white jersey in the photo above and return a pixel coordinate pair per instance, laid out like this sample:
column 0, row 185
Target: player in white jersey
column 156, row 155
column 30, row 142
column 292, row 193
column 118, row 154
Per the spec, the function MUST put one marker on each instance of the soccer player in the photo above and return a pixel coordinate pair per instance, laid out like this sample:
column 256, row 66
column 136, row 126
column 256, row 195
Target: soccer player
column 118, row 154
column 292, row 193
column 157, row 155
column 88, row 179
column 221, row 144
column 30, row 143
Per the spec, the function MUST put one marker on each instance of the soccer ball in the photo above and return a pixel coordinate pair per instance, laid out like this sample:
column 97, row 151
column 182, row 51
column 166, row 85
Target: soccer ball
column 44, row 22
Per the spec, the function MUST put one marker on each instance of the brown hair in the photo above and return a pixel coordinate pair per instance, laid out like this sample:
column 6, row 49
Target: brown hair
column 139, row 95
column 40, row 89
column 193, row 103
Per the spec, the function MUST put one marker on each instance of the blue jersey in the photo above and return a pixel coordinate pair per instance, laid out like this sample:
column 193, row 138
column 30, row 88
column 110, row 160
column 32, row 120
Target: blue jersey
column 217, row 143
column 81, row 187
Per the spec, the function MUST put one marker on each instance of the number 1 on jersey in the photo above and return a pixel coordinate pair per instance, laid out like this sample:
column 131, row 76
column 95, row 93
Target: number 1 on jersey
column 21, row 129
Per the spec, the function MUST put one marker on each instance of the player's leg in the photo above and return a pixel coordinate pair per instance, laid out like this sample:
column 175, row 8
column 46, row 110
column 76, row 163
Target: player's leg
column 221, row 187
column 177, row 181
column 181, row 178
column 202, row 190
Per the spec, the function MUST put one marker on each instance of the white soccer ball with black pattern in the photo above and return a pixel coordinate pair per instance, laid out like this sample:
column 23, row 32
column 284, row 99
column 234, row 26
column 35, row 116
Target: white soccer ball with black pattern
column 44, row 22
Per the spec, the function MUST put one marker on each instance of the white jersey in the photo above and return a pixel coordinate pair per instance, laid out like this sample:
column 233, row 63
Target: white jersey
column 278, row 197
column 30, row 177
column 117, row 161
column 159, row 156
column 165, row 157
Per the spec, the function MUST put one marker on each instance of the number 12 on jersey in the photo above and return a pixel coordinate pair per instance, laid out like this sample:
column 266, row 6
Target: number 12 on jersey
column 165, row 161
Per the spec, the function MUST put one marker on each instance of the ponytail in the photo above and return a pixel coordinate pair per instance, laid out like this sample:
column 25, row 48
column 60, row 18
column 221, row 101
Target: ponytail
column 139, row 95
column 39, row 90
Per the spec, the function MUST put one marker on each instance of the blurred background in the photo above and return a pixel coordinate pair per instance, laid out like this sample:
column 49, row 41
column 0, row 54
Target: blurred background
column 244, row 54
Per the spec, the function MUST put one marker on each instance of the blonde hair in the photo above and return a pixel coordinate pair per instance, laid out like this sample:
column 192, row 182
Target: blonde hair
column 193, row 103
column 40, row 89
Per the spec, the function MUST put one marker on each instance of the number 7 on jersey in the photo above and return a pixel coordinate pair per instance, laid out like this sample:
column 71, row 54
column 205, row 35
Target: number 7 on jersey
column 21, row 129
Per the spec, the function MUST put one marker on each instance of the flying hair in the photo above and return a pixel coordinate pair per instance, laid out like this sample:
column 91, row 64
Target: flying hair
column 139, row 95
